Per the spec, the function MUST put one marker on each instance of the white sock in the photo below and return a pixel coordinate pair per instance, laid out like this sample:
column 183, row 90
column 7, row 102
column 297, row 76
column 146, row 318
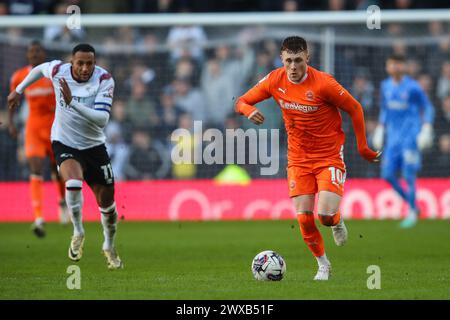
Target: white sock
column 39, row 221
column 109, row 223
column 323, row 260
column 74, row 200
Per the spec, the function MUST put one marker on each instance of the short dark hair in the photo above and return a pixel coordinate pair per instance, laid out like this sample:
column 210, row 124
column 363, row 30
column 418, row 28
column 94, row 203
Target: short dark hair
column 294, row 44
column 397, row 57
column 83, row 47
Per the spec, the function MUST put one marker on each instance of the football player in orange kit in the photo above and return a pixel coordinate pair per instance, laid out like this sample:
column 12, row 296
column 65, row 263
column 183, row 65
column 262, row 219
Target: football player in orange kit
column 41, row 103
column 310, row 101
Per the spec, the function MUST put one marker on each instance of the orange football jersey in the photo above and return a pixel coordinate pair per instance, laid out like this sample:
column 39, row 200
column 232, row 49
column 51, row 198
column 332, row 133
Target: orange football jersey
column 40, row 98
column 310, row 112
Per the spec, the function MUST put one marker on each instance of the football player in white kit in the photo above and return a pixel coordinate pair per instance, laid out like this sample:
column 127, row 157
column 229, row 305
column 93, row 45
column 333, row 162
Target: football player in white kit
column 84, row 94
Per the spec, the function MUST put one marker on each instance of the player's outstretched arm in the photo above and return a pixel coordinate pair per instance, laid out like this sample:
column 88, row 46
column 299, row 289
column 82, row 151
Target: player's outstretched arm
column 99, row 117
column 245, row 104
column 355, row 110
column 35, row 74
column 426, row 136
column 335, row 94
column 250, row 111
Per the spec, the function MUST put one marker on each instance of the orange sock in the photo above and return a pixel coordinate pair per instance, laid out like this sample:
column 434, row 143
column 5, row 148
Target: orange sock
column 330, row 220
column 36, row 195
column 311, row 235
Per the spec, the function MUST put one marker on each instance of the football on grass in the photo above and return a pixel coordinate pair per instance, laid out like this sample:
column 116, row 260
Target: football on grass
column 268, row 266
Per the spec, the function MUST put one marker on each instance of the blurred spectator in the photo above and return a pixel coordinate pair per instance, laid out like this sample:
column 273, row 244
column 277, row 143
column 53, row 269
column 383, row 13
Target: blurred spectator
column 156, row 62
column 119, row 116
column 344, row 65
column 117, row 149
column 24, row 7
column 185, row 148
column 336, row 5
column 61, row 33
column 442, row 122
column 236, row 64
column 8, row 147
column 272, row 48
column 443, row 85
column 147, row 158
column 443, row 159
column 168, row 113
column 140, row 108
column 189, row 99
column 186, row 41
column 217, row 89
column 436, row 54
column 363, row 90
column 290, row 6
column 413, row 67
column 263, row 66
column 426, row 82
column 185, row 69
column 403, row 4
column 3, row 8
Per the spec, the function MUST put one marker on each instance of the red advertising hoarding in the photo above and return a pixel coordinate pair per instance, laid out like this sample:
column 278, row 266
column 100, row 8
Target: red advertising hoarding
column 207, row 200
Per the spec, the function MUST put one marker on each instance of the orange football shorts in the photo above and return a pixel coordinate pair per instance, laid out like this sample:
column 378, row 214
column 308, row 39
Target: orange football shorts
column 317, row 175
column 37, row 142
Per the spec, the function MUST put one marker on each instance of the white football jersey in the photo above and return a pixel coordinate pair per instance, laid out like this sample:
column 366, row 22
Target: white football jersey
column 70, row 127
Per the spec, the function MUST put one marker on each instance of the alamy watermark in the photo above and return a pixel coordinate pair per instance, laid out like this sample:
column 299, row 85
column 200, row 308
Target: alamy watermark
column 374, row 280
column 74, row 20
column 73, row 281
column 373, row 20
column 234, row 146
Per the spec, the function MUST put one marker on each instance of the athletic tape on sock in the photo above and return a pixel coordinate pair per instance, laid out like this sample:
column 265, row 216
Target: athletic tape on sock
column 74, row 184
column 109, row 209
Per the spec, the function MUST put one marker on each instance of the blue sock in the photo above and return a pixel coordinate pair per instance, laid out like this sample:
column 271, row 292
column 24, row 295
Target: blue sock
column 393, row 181
column 410, row 178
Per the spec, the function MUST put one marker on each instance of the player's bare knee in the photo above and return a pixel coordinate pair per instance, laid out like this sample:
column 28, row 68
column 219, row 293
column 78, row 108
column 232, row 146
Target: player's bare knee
column 105, row 197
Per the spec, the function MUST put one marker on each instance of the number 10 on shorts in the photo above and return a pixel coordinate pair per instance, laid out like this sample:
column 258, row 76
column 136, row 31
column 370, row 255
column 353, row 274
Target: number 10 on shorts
column 337, row 177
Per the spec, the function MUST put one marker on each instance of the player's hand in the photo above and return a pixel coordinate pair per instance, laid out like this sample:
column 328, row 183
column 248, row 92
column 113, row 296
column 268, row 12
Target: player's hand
column 13, row 132
column 370, row 155
column 256, row 117
column 425, row 137
column 378, row 137
column 14, row 99
column 65, row 91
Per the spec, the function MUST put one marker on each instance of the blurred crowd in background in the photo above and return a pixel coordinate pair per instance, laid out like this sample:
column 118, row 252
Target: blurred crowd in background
column 160, row 90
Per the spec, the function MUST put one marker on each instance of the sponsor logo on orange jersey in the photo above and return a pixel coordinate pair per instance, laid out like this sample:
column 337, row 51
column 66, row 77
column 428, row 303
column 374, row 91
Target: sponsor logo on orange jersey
column 297, row 106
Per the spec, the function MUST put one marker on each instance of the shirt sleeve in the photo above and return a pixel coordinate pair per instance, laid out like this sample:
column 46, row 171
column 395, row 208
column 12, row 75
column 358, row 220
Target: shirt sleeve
column 50, row 69
column 383, row 104
column 260, row 92
column 338, row 96
column 424, row 104
column 104, row 98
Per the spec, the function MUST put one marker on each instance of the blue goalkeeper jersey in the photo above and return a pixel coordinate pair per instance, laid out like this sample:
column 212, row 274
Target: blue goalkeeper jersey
column 404, row 108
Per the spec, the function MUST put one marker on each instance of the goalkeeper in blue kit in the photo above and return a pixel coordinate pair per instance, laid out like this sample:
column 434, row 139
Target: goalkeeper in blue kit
column 405, row 128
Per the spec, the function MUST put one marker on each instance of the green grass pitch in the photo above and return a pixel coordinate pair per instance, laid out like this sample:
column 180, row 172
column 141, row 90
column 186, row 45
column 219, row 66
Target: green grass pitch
column 211, row 260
